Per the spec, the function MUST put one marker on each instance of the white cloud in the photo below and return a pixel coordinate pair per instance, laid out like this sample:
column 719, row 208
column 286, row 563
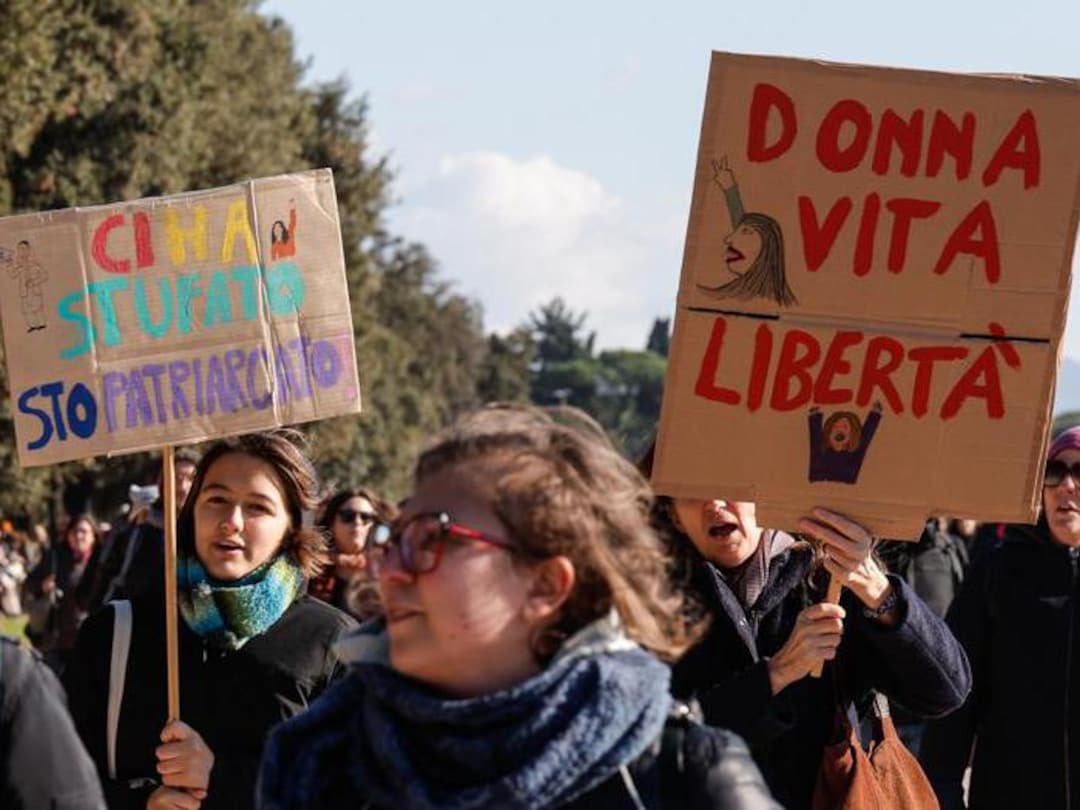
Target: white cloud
column 513, row 234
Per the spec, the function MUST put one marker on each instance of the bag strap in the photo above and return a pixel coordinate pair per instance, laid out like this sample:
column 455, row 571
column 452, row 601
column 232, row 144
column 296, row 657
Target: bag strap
column 121, row 644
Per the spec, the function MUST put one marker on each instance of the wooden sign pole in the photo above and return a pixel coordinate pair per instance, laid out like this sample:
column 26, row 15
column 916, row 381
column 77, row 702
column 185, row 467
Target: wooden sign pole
column 172, row 629
column 832, row 596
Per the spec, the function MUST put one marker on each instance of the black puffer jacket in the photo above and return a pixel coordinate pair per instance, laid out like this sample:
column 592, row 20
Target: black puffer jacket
column 1017, row 617
column 231, row 698
column 917, row 664
column 42, row 761
column 691, row 767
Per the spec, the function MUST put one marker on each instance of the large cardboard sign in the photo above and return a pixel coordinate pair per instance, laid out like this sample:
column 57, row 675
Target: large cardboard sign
column 176, row 319
column 873, row 292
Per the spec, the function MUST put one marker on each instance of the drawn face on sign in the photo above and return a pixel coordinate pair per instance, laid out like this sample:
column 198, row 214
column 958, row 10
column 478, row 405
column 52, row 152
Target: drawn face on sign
column 842, row 432
column 743, row 248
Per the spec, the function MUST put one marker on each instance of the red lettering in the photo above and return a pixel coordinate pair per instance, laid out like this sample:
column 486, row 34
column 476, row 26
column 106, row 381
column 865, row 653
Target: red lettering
column 819, row 239
column 1019, row 149
column 759, row 372
column 904, row 210
column 980, row 381
column 99, row 247
column 1004, row 346
column 947, row 139
column 843, row 159
column 706, row 386
column 926, row 356
column 144, row 248
column 768, row 97
column 833, row 364
column 895, row 131
column 883, row 356
column 963, row 240
column 864, row 243
column 799, row 352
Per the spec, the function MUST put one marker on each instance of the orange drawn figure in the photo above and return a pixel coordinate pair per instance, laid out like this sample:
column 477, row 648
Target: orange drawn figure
column 282, row 238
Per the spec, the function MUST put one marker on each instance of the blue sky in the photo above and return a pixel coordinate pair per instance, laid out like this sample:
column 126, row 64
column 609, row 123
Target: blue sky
column 549, row 148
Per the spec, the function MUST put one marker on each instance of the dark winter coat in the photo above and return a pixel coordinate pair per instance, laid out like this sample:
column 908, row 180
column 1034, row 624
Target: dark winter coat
column 917, row 663
column 63, row 626
column 1017, row 618
column 42, row 761
column 690, row 767
column 231, row 699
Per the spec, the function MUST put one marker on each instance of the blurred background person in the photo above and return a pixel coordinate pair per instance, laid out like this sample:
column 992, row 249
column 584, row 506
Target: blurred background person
column 50, row 592
column 346, row 519
column 1016, row 616
column 131, row 561
column 42, row 760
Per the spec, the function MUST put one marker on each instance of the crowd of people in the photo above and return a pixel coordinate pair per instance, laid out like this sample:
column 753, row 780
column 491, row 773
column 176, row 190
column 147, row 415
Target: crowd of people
column 530, row 627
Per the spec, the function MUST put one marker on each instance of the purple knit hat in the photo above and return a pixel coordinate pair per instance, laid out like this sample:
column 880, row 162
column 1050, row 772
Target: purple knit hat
column 1065, row 440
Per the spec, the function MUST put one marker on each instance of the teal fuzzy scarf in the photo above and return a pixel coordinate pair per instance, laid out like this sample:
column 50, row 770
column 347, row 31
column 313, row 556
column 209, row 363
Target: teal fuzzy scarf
column 228, row 614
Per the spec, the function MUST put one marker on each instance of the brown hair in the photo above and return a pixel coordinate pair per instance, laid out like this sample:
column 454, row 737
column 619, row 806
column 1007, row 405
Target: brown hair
column 856, row 429
column 284, row 450
column 561, row 488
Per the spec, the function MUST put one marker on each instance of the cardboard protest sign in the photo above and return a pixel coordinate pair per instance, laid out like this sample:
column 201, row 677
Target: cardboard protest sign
column 176, row 319
column 873, row 292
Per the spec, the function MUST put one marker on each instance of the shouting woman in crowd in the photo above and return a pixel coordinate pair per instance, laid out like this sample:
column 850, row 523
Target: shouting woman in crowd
column 1016, row 615
column 770, row 630
column 254, row 649
column 526, row 602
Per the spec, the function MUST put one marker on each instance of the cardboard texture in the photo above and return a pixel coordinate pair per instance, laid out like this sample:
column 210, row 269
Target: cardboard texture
column 873, row 293
column 176, row 319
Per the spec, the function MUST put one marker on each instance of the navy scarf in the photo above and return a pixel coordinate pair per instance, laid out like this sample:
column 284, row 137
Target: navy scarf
column 382, row 738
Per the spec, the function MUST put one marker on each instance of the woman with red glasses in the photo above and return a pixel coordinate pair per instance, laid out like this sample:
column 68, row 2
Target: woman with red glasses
column 1018, row 617
column 346, row 518
column 527, row 609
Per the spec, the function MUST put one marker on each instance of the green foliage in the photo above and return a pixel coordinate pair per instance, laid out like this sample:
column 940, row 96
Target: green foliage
column 622, row 388
column 660, row 337
column 117, row 100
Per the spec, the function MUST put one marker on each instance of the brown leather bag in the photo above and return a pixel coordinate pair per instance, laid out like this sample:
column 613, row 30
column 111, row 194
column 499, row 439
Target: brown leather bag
column 887, row 777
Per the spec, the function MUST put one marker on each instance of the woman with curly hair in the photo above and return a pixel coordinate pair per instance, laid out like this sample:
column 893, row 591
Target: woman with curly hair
column 254, row 648
column 527, row 613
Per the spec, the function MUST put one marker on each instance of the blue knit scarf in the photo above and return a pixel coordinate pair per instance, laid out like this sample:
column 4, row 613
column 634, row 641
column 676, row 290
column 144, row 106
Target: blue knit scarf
column 381, row 738
column 228, row 614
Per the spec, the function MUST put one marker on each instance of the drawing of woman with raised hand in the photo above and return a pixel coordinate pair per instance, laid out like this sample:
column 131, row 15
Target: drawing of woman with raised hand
column 754, row 255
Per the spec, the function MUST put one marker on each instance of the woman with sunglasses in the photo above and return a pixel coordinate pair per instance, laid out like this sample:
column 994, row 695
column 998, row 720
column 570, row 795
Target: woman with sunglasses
column 771, row 629
column 1018, row 617
column 254, row 648
column 526, row 604
column 346, row 518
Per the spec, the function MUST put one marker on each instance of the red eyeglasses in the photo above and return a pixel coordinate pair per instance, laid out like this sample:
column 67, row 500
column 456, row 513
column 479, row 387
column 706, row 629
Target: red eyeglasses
column 420, row 540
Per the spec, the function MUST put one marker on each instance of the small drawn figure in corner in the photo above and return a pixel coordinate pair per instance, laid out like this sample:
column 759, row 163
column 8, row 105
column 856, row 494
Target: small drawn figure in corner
column 754, row 257
column 838, row 444
column 282, row 238
column 31, row 277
